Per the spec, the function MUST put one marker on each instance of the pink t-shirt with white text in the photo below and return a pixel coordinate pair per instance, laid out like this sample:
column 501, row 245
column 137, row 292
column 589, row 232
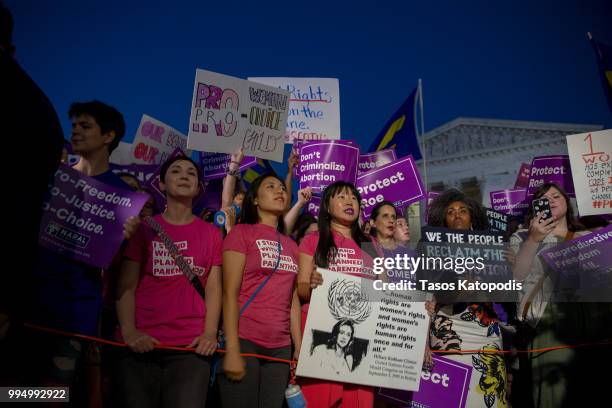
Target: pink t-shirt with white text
column 266, row 320
column 167, row 305
column 350, row 259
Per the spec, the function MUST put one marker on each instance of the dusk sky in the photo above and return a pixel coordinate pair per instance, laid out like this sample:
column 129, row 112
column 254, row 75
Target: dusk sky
column 523, row 60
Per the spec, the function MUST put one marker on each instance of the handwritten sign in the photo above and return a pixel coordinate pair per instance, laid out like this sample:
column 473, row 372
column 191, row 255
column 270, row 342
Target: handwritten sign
column 228, row 113
column 314, row 107
column 590, row 155
column 155, row 141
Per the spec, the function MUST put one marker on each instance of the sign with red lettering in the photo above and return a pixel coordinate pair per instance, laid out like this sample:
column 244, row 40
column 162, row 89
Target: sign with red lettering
column 590, row 155
column 155, row 141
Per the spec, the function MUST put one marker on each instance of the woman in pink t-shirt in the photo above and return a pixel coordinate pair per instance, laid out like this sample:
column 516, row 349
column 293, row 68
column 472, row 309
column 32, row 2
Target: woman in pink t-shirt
column 261, row 309
column 337, row 247
column 157, row 304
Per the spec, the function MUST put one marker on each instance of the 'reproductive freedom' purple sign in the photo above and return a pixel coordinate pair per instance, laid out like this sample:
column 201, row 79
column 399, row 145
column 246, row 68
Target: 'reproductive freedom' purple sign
column 324, row 163
column 447, row 385
column 214, row 165
column 370, row 161
column 546, row 169
column 83, row 218
column 511, row 202
column 398, row 182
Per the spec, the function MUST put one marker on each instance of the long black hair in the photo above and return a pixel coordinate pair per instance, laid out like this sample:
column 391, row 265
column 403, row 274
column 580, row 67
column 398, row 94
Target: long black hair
column 249, row 214
column 326, row 248
column 572, row 223
column 436, row 216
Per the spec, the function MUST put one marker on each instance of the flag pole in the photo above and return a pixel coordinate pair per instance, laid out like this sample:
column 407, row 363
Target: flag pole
column 423, row 150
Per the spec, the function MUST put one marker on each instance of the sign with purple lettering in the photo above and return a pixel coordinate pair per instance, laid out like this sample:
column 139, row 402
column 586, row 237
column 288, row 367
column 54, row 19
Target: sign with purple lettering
column 522, row 178
column 546, row 169
column 83, row 218
column 228, row 113
column 446, row 386
column 374, row 160
column 313, row 205
column 584, row 266
column 323, row 163
column 155, row 141
column 511, row 202
column 398, row 182
column 214, row 165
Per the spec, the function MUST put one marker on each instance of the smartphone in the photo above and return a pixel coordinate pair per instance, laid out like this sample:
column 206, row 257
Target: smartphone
column 542, row 206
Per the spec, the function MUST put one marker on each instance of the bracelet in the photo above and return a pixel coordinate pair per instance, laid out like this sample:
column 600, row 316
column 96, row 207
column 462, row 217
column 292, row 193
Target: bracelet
column 233, row 173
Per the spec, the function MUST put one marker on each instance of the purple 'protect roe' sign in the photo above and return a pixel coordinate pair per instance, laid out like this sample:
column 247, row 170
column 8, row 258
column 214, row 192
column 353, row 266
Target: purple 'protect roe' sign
column 323, row 163
column 545, row 169
column 446, row 386
column 83, row 218
column 214, row 165
column 313, row 205
column 398, row 182
column 370, row 161
column 511, row 202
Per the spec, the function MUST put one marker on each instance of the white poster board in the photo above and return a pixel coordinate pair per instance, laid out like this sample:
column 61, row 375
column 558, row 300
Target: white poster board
column 314, row 108
column 382, row 345
column 155, row 141
column 590, row 159
column 228, row 113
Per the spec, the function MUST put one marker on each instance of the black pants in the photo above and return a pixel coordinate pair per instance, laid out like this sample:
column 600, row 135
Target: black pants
column 162, row 378
column 265, row 381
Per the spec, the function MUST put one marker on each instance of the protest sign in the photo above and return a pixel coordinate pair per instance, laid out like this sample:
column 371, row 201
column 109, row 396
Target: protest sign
column 511, row 202
column 83, row 218
column 313, row 205
column 314, row 107
column 214, row 165
column 142, row 172
column 583, row 266
column 323, row 163
column 369, row 161
column 461, row 257
column 522, row 178
column 590, row 155
column 387, row 336
column 228, row 113
column 398, row 182
column 498, row 221
column 550, row 169
column 446, row 386
column 155, row 141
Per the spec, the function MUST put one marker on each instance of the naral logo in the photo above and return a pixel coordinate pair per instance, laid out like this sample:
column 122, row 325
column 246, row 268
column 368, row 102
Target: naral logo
column 67, row 235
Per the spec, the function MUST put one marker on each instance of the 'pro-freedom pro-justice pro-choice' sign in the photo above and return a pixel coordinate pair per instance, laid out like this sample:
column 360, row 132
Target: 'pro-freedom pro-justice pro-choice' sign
column 83, row 218
column 228, row 113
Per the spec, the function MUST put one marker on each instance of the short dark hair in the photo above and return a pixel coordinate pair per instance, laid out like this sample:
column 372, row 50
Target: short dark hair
column 170, row 161
column 107, row 117
column 6, row 27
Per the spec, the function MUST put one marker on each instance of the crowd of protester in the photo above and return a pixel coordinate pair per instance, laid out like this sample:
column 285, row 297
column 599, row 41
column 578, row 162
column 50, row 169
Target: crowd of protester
column 249, row 291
